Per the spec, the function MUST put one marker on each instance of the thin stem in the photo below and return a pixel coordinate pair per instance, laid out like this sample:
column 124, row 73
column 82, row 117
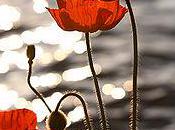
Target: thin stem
column 135, row 68
column 97, row 89
column 89, row 126
column 32, row 88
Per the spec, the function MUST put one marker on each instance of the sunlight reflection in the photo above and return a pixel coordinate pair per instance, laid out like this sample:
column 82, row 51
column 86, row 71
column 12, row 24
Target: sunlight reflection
column 107, row 89
column 7, row 97
column 46, row 80
column 10, row 57
column 4, row 67
column 29, row 37
column 40, row 109
column 46, row 58
column 39, row 52
column 50, row 79
column 10, row 15
column 128, row 85
column 79, row 47
column 13, row 58
column 118, row 93
column 77, row 74
column 55, row 97
column 60, row 55
column 11, row 42
column 58, row 35
column 39, row 6
column 66, row 36
column 22, row 61
column 35, row 81
column 77, row 114
column 23, row 103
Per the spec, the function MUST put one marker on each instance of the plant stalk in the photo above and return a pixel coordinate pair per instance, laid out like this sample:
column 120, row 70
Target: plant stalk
column 135, row 68
column 97, row 89
column 88, row 123
column 30, row 62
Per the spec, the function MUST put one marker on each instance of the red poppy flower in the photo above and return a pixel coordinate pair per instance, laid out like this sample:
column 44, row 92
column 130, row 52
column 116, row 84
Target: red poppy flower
column 21, row 119
column 88, row 15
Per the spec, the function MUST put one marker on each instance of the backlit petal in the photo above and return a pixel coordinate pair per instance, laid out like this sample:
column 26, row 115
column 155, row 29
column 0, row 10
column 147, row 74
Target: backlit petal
column 114, row 19
column 21, row 119
column 87, row 15
column 69, row 4
column 63, row 19
column 89, row 18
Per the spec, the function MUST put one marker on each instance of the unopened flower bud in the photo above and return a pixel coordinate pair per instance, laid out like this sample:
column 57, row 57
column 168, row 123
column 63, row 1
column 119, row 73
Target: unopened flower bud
column 31, row 52
column 57, row 121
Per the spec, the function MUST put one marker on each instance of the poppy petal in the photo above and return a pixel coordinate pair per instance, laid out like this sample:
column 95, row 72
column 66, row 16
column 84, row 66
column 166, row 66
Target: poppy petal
column 61, row 4
column 69, row 4
column 114, row 19
column 63, row 19
column 95, row 17
column 109, row 5
column 87, row 15
column 21, row 119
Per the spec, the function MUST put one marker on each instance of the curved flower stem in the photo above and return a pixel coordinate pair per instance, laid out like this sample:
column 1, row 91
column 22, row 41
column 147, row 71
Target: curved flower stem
column 89, row 126
column 135, row 69
column 97, row 89
column 30, row 62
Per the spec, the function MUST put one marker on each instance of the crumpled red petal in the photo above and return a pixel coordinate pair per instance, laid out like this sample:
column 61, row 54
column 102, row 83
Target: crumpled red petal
column 114, row 19
column 87, row 15
column 75, row 20
column 21, row 119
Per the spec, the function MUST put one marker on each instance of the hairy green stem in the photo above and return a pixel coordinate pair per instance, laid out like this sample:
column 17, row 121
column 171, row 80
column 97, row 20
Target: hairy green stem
column 32, row 88
column 97, row 89
column 135, row 69
column 88, row 123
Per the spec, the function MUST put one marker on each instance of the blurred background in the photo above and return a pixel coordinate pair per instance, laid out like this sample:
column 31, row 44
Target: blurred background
column 61, row 64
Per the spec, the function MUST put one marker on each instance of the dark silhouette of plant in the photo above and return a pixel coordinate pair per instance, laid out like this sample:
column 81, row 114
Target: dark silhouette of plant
column 97, row 89
column 83, row 102
column 134, row 100
column 57, row 119
column 89, row 16
column 31, row 56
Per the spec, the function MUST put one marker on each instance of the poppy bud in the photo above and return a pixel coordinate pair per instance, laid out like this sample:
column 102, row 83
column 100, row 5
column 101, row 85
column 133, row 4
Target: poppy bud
column 57, row 121
column 31, row 52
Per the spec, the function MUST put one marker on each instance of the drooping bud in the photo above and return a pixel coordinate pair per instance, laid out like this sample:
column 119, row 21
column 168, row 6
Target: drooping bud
column 31, row 52
column 57, row 121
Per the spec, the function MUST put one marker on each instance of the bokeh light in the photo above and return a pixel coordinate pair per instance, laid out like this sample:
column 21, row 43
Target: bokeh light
column 77, row 114
column 11, row 42
column 9, row 16
column 40, row 109
column 7, row 97
column 50, row 79
column 128, row 85
column 107, row 89
column 30, row 37
column 39, row 6
column 81, row 73
column 118, row 93
column 4, row 67
column 23, row 103
column 54, row 99
column 79, row 47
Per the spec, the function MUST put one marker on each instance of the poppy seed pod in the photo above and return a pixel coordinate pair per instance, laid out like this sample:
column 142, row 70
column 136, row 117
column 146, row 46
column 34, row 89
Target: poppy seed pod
column 31, row 52
column 57, row 121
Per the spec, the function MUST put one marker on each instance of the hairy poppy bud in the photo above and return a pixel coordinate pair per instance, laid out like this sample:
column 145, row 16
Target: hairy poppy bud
column 57, row 121
column 31, row 52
